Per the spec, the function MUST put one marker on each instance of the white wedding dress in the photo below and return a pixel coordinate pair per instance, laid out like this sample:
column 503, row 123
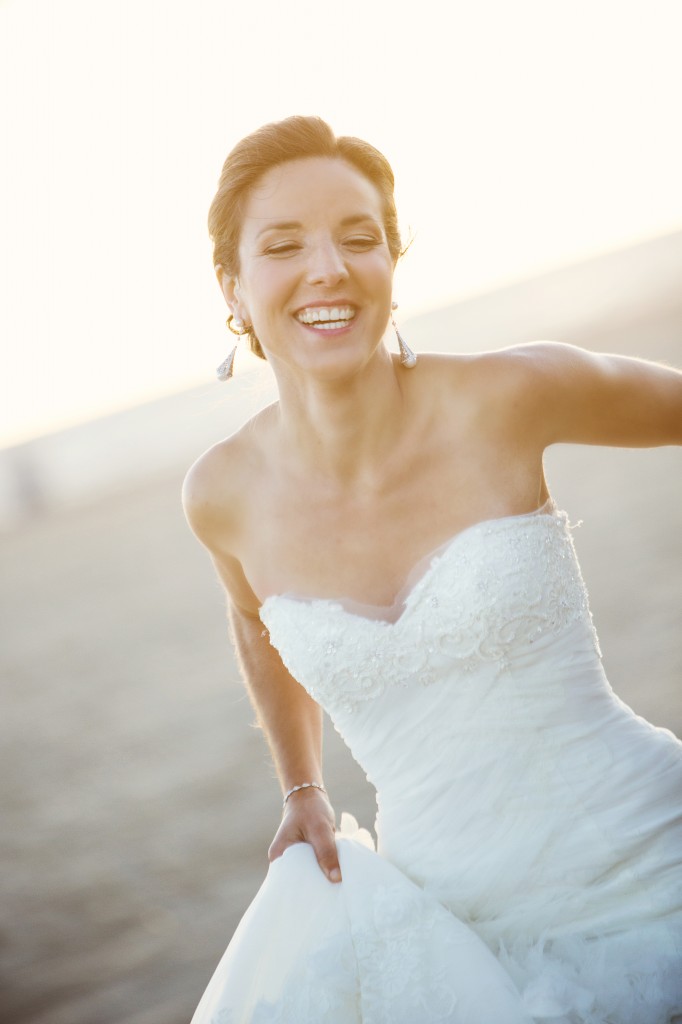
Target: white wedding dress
column 529, row 863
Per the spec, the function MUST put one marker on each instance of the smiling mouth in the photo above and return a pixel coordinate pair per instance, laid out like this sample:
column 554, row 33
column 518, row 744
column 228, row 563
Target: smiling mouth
column 325, row 318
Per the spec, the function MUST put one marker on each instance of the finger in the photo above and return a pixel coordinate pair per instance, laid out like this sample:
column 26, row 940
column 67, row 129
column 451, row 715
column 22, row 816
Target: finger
column 284, row 838
column 327, row 857
column 278, row 846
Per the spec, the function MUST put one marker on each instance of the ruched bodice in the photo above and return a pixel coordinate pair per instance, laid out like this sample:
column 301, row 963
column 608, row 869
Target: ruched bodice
column 513, row 787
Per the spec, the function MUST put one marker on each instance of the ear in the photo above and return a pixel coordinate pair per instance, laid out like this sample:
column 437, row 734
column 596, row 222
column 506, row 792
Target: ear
column 229, row 286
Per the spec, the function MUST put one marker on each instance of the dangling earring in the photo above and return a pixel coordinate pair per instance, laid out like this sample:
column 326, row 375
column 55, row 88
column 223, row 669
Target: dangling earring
column 226, row 368
column 224, row 371
column 407, row 356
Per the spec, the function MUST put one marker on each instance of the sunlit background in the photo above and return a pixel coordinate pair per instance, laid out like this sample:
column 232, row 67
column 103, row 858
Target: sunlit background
column 536, row 146
column 523, row 134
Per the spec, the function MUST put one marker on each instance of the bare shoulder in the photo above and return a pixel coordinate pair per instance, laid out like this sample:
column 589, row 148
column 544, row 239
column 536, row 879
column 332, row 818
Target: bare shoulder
column 526, row 362
column 493, row 364
column 513, row 375
column 500, row 375
column 511, row 367
column 545, row 392
column 503, row 391
column 214, row 483
column 215, row 495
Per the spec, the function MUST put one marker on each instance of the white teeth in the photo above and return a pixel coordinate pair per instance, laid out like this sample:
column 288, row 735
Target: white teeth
column 334, row 316
column 334, row 325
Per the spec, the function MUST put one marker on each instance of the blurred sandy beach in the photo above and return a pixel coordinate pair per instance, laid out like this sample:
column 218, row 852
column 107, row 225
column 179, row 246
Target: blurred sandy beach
column 138, row 801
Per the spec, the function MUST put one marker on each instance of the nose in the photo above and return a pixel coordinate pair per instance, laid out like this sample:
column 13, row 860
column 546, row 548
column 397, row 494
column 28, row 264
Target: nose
column 327, row 265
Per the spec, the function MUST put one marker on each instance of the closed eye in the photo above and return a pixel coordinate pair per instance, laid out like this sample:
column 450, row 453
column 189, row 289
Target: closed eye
column 282, row 249
column 361, row 242
column 358, row 243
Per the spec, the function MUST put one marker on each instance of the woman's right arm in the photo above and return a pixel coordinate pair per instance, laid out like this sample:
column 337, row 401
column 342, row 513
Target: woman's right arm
column 292, row 723
column 289, row 717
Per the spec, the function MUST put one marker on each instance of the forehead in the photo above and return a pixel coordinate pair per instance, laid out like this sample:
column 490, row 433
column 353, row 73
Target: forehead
column 308, row 190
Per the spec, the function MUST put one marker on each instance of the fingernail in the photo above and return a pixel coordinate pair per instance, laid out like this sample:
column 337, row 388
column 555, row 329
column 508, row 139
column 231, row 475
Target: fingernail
column 335, row 875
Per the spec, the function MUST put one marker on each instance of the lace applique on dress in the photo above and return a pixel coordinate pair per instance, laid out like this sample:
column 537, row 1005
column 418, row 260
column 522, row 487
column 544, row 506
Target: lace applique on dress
column 495, row 589
column 387, row 954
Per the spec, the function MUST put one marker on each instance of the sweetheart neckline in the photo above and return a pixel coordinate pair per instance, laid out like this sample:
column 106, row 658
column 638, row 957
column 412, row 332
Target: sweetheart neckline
column 401, row 603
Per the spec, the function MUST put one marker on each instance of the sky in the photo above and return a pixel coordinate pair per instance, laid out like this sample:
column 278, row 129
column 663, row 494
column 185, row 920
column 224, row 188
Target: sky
column 524, row 135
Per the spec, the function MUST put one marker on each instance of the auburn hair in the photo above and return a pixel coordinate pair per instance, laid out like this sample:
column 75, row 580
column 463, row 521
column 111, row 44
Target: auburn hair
column 294, row 138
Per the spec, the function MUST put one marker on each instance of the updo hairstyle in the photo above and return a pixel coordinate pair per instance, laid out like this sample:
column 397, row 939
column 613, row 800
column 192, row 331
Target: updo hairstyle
column 295, row 138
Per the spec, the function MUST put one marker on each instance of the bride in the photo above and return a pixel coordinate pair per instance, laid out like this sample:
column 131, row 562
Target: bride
column 391, row 554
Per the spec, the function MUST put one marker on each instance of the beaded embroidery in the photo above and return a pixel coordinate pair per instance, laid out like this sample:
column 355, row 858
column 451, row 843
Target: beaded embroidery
column 493, row 590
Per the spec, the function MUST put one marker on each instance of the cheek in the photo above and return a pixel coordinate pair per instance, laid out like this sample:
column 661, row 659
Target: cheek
column 380, row 276
column 382, row 263
column 263, row 290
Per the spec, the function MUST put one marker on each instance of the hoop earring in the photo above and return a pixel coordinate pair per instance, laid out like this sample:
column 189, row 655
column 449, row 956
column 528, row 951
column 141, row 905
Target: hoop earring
column 407, row 356
column 238, row 327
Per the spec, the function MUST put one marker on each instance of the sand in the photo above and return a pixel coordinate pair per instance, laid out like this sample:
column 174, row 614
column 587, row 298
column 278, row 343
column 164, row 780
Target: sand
column 138, row 800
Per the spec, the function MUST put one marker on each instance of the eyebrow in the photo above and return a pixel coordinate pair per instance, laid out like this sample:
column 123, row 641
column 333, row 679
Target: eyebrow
column 295, row 225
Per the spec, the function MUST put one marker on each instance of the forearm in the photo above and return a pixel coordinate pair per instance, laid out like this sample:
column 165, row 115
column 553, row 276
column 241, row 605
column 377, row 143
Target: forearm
column 288, row 716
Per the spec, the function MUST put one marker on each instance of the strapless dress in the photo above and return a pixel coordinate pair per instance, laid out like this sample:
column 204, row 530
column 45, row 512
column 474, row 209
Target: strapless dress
column 528, row 864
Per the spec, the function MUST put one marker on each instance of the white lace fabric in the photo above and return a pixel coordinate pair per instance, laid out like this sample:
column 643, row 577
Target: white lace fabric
column 494, row 588
column 529, row 862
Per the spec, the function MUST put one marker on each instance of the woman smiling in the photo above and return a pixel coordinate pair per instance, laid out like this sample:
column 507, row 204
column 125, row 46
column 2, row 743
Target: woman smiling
column 388, row 522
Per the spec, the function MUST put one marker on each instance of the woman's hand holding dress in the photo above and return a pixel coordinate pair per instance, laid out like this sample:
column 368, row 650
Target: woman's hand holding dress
column 309, row 818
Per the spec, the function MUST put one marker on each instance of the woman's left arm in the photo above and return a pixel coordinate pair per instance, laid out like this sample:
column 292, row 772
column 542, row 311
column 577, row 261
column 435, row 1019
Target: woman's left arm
column 572, row 395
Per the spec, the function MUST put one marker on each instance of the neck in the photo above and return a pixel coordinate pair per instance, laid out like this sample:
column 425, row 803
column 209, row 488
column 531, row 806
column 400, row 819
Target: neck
column 344, row 429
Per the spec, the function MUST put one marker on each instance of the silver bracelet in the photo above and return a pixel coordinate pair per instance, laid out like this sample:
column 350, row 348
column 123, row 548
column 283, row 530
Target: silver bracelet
column 304, row 785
